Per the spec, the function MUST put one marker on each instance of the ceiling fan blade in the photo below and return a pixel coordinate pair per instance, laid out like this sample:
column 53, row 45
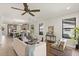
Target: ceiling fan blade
column 23, row 13
column 36, row 10
column 25, row 6
column 31, row 14
column 17, row 8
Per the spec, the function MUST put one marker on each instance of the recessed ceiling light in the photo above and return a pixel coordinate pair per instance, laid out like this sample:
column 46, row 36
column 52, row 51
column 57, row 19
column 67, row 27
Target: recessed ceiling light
column 68, row 8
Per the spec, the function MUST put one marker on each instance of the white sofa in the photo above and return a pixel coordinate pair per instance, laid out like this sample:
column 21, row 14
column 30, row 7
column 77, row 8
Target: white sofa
column 23, row 49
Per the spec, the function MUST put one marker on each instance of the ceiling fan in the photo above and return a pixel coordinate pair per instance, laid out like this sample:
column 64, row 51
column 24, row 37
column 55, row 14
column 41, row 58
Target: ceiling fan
column 27, row 10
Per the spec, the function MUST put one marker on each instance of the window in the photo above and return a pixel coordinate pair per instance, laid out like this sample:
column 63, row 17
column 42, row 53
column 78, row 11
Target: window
column 68, row 26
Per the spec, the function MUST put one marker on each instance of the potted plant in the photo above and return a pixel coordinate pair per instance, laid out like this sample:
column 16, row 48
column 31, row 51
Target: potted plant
column 77, row 37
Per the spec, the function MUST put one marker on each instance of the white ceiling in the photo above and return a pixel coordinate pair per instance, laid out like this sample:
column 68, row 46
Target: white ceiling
column 47, row 10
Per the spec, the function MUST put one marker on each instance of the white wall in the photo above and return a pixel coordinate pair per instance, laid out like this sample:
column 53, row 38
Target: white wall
column 36, row 27
column 57, row 23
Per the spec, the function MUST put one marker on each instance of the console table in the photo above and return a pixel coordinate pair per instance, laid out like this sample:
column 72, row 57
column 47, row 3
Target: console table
column 51, row 37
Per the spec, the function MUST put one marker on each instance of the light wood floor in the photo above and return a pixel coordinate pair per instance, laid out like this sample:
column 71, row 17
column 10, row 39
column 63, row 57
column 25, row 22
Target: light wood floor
column 6, row 46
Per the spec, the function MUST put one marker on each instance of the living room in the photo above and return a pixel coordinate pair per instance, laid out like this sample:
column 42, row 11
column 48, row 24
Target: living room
column 51, row 18
column 55, row 19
